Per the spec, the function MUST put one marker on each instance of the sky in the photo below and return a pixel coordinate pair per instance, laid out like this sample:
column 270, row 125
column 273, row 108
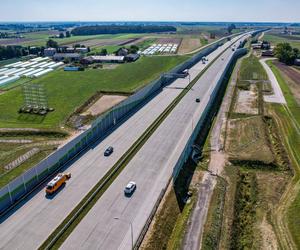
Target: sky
column 154, row 10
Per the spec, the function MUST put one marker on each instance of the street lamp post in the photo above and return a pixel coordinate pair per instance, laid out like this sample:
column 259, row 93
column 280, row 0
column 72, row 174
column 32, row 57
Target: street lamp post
column 131, row 229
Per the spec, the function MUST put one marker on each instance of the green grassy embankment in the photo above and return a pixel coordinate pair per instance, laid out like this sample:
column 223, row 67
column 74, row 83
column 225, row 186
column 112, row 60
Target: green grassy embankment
column 68, row 90
column 288, row 119
column 274, row 40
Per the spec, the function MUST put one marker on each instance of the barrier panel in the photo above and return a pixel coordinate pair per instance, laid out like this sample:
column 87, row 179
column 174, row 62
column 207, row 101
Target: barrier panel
column 188, row 148
column 202, row 121
column 25, row 183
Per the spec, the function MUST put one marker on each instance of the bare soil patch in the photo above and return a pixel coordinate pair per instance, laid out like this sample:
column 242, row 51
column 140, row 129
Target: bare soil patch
column 15, row 41
column 270, row 186
column 105, row 103
column 189, row 44
column 293, row 74
column 269, row 241
column 247, row 102
column 169, row 40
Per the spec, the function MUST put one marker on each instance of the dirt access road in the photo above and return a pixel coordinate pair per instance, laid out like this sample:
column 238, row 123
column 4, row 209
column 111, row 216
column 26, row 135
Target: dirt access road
column 218, row 158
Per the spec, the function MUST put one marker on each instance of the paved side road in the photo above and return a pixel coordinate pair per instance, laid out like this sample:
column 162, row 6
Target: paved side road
column 277, row 96
column 194, row 232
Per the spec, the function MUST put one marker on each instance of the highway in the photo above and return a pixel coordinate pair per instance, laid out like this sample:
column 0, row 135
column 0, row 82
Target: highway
column 29, row 225
column 108, row 223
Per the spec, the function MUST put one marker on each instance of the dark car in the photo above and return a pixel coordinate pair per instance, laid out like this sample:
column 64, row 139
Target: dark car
column 108, row 151
column 197, row 99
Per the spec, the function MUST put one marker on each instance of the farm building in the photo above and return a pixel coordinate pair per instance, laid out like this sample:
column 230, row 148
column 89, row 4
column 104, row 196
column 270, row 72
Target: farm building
column 132, row 57
column 103, row 59
column 49, row 52
column 68, row 56
column 70, row 50
column 256, row 45
column 267, row 53
column 122, row 52
column 81, row 50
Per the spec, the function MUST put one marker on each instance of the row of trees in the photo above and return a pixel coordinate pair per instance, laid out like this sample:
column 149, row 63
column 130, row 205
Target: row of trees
column 286, row 53
column 8, row 52
column 15, row 51
column 5, row 35
column 115, row 29
column 62, row 35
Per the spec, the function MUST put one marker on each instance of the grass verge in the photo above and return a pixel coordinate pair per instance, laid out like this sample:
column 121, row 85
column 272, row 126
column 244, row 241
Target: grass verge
column 245, row 214
column 213, row 224
column 63, row 87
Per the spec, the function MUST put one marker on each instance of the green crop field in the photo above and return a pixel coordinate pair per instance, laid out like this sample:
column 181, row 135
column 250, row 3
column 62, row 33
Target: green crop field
column 68, row 90
column 110, row 49
column 273, row 39
column 40, row 39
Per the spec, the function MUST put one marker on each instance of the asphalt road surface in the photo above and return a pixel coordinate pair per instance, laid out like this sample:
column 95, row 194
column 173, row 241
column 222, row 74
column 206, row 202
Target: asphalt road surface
column 29, row 225
column 277, row 96
column 108, row 223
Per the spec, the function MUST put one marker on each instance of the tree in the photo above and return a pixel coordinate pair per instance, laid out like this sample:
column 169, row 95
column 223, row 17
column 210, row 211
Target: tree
column 103, row 52
column 231, row 27
column 285, row 53
column 52, row 44
column 68, row 34
column 133, row 49
column 61, row 35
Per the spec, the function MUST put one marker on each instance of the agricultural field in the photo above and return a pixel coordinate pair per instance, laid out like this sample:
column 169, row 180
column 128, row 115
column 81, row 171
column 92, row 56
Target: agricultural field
column 292, row 78
column 275, row 39
column 40, row 39
column 62, row 86
column 189, row 44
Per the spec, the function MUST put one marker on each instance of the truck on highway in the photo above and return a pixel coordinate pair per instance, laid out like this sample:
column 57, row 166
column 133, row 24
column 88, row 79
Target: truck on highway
column 57, row 182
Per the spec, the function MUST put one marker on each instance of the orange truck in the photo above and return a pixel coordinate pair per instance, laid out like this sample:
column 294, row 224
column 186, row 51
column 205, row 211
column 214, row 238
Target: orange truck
column 57, row 182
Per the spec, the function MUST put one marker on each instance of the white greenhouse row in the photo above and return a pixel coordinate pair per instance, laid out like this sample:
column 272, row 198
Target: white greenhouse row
column 161, row 49
column 32, row 68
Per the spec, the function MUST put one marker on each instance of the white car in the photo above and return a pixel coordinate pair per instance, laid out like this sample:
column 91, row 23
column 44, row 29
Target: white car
column 130, row 188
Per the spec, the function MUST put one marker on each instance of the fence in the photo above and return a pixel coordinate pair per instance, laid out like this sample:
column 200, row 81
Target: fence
column 188, row 148
column 24, row 184
column 203, row 120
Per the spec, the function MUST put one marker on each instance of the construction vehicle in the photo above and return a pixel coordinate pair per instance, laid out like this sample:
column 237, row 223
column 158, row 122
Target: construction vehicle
column 57, row 182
